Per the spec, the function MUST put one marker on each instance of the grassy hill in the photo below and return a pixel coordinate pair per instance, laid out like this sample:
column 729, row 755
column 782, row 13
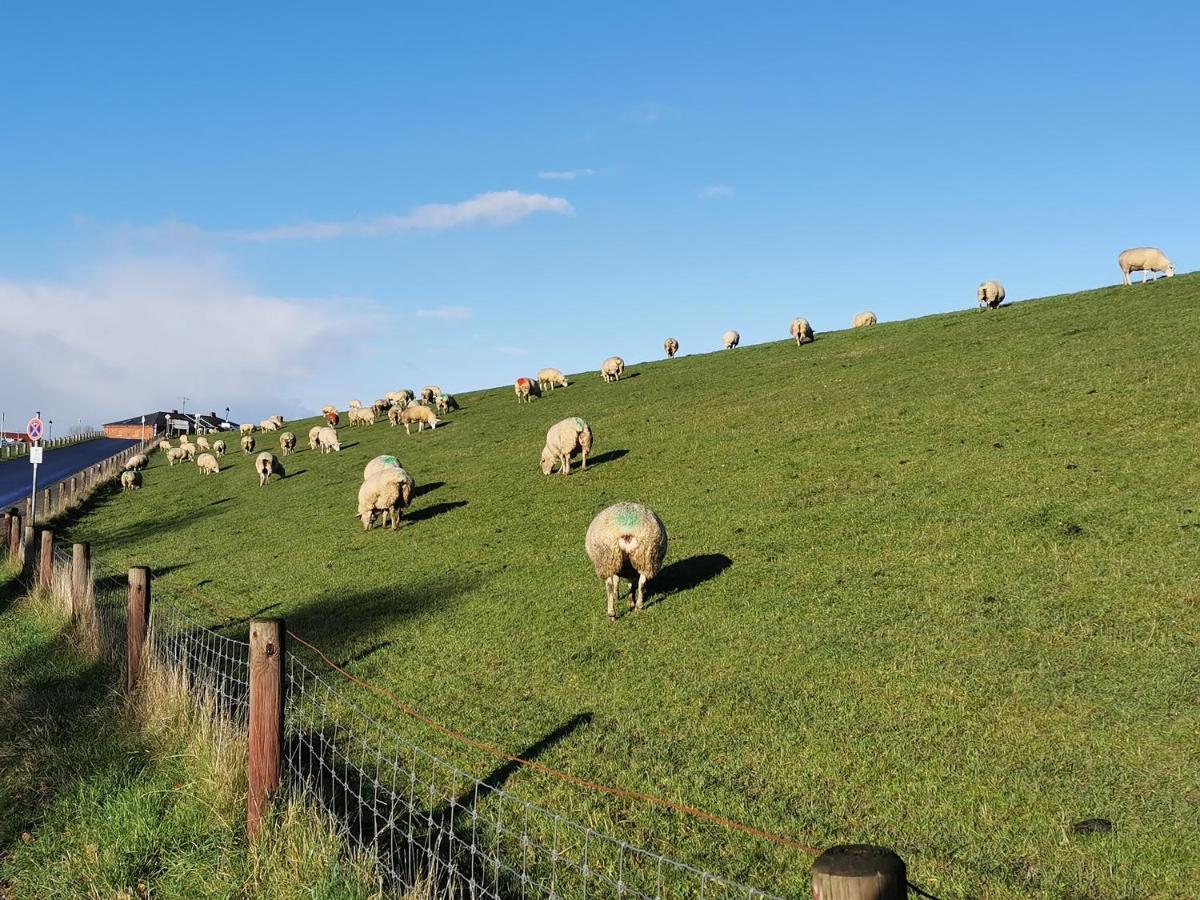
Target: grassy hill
column 932, row 584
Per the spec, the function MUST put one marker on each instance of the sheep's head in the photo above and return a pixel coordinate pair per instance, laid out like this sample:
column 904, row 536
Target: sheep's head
column 548, row 460
column 1170, row 271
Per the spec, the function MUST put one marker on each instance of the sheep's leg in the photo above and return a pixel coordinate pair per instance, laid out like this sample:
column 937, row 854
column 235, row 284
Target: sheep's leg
column 585, row 460
column 612, row 587
column 640, row 590
column 564, row 460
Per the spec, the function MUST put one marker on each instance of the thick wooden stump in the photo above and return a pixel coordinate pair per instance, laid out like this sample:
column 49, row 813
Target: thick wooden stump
column 46, row 558
column 81, row 578
column 859, row 872
column 139, row 622
column 265, row 738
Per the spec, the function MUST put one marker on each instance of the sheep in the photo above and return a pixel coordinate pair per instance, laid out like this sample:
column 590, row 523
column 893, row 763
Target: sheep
column 189, row 450
column 362, row 415
column 164, row 445
column 388, row 491
column 863, row 319
column 420, row 416
column 394, row 414
column 202, row 443
column 626, row 540
column 207, row 464
column 381, row 406
column 218, row 448
column 671, row 347
column 445, row 403
column 563, row 440
column 266, row 465
column 175, row 455
column 1145, row 259
column 333, row 419
column 131, row 479
column 379, row 463
column 523, row 388
column 730, row 339
column 551, row 378
column 268, row 425
column 990, row 294
column 326, row 410
column 355, row 404
column 313, row 441
column 328, row 441
column 246, row 428
column 137, row 461
column 612, row 369
column 287, row 443
column 399, row 398
column 247, row 443
column 801, row 331
column 429, row 392
column 277, row 419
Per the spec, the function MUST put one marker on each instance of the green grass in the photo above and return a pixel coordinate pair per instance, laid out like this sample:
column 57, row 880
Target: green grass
column 101, row 800
column 931, row 585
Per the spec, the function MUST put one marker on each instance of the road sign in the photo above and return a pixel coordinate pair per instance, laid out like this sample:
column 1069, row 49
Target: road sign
column 34, row 429
column 35, row 455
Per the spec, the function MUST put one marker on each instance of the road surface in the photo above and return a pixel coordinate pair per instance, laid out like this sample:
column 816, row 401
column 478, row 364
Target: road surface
column 63, row 462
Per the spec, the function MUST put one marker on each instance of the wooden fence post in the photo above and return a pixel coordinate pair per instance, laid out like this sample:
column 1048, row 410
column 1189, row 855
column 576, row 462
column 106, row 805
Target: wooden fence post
column 7, row 533
column 265, row 738
column 139, row 620
column 81, row 576
column 859, row 872
column 46, row 560
column 28, row 536
column 14, row 537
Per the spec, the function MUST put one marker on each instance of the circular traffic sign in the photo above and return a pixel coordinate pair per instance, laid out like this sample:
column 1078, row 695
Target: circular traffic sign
column 34, row 429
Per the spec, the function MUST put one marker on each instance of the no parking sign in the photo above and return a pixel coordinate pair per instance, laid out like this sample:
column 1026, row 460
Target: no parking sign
column 34, row 429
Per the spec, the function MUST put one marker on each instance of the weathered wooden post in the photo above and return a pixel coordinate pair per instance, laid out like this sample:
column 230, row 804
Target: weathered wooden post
column 46, row 504
column 14, row 536
column 6, row 534
column 81, row 578
column 46, row 558
column 265, row 738
column 859, row 872
column 28, row 536
column 139, row 621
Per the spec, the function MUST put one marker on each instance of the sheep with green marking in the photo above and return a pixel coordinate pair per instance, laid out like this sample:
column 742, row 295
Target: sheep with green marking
column 564, row 440
column 379, row 463
column 445, row 403
column 388, row 491
column 626, row 540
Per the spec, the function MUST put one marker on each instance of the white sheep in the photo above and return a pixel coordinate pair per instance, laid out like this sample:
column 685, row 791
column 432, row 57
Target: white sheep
column 730, row 339
column 207, row 464
column 399, row 398
column 864, row 319
column 1145, row 259
column 612, row 369
column 247, row 443
column 326, row 410
column 354, row 404
column 388, row 491
column 175, row 455
column 189, row 450
column 137, row 461
column 218, row 448
column 268, row 425
column 800, row 331
column 420, row 416
column 445, row 403
column 626, row 540
column 287, row 443
column 313, row 440
column 131, row 479
column 362, row 415
column 379, row 463
column 563, row 440
column 381, row 406
column 990, row 294
column 429, row 392
column 164, row 445
column 202, row 443
column 266, row 465
column 328, row 441
column 523, row 388
column 246, row 428
column 671, row 347
column 551, row 378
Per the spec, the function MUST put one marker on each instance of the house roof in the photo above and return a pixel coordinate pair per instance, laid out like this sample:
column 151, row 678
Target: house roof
column 159, row 419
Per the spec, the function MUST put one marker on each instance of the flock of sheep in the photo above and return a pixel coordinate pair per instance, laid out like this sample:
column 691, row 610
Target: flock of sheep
column 624, row 541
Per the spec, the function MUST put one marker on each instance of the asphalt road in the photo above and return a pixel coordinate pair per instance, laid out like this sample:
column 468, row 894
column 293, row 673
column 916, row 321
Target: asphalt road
column 16, row 476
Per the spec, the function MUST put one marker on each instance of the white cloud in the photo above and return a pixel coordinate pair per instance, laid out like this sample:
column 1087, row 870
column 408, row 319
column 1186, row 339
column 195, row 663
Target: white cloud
column 444, row 312
column 512, row 351
column 565, row 174
column 492, row 208
column 714, row 191
column 135, row 336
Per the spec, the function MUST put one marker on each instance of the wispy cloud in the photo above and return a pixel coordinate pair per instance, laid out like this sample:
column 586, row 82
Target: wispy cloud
column 450, row 313
column 716, row 191
column 565, row 174
column 649, row 112
column 512, row 351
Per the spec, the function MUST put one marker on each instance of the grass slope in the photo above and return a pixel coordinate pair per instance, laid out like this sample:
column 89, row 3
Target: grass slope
column 931, row 584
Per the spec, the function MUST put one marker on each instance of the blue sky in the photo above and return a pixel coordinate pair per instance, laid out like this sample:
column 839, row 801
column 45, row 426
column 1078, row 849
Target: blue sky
column 284, row 206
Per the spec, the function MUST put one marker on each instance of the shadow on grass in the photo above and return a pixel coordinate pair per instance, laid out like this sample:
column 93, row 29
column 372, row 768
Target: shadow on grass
column 424, row 489
column 686, row 574
column 437, row 509
column 606, row 457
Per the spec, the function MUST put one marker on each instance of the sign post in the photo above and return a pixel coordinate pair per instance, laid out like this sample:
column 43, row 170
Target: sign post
column 34, row 430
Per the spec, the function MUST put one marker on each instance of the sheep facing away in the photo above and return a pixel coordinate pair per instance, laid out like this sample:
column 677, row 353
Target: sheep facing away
column 131, row 479
column 612, row 369
column 990, row 294
column 137, row 461
column 551, row 378
column 379, row 463
column 354, row 404
column 445, row 403
column 266, row 465
column 800, row 331
column 287, row 443
column 207, row 464
column 731, row 339
column 247, row 443
column 671, row 347
column 218, row 448
column 626, row 540
column 563, row 440
column 523, row 388
column 246, row 428
column 328, row 440
column 175, row 455
column 420, row 416
column 388, row 491
column 333, row 419
column 1145, row 259
column 313, row 441
column 863, row 319
column 202, row 443
column 429, row 392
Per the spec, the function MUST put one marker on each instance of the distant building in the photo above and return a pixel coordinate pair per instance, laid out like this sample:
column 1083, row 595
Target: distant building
column 166, row 423
column 15, row 436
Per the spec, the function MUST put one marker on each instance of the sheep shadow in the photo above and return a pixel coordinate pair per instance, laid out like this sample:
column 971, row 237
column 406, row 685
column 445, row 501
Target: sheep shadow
column 686, row 574
column 606, row 457
column 429, row 488
column 437, row 509
column 296, row 474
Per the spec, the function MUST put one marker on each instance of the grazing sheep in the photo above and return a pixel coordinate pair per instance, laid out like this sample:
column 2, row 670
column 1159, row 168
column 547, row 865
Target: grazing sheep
column 207, row 464
column 277, row 419
column 399, row 398
column 266, row 465
column 394, row 414
column 247, row 443
column 333, row 419
column 164, row 445
column 445, row 403
column 379, row 463
column 626, row 540
column 388, row 491
column 287, row 443
column 1145, row 259
column 801, row 331
column 137, row 461
column 355, row 404
column 268, row 425
column 551, row 378
column 175, row 455
column 189, row 450
column 863, row 319
column 671, row 346
column 246, row 428
column 202, row 443
column 381, row 406
column 218, row 448
column 131, row 479
column 313, row 441
column 730, row 339
column 990, row 294
column 523, row 388
column 420, row 416
column 563, row 440
column 429, row 392
column 328, row 441
column 362, row 415
column 612, row 368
